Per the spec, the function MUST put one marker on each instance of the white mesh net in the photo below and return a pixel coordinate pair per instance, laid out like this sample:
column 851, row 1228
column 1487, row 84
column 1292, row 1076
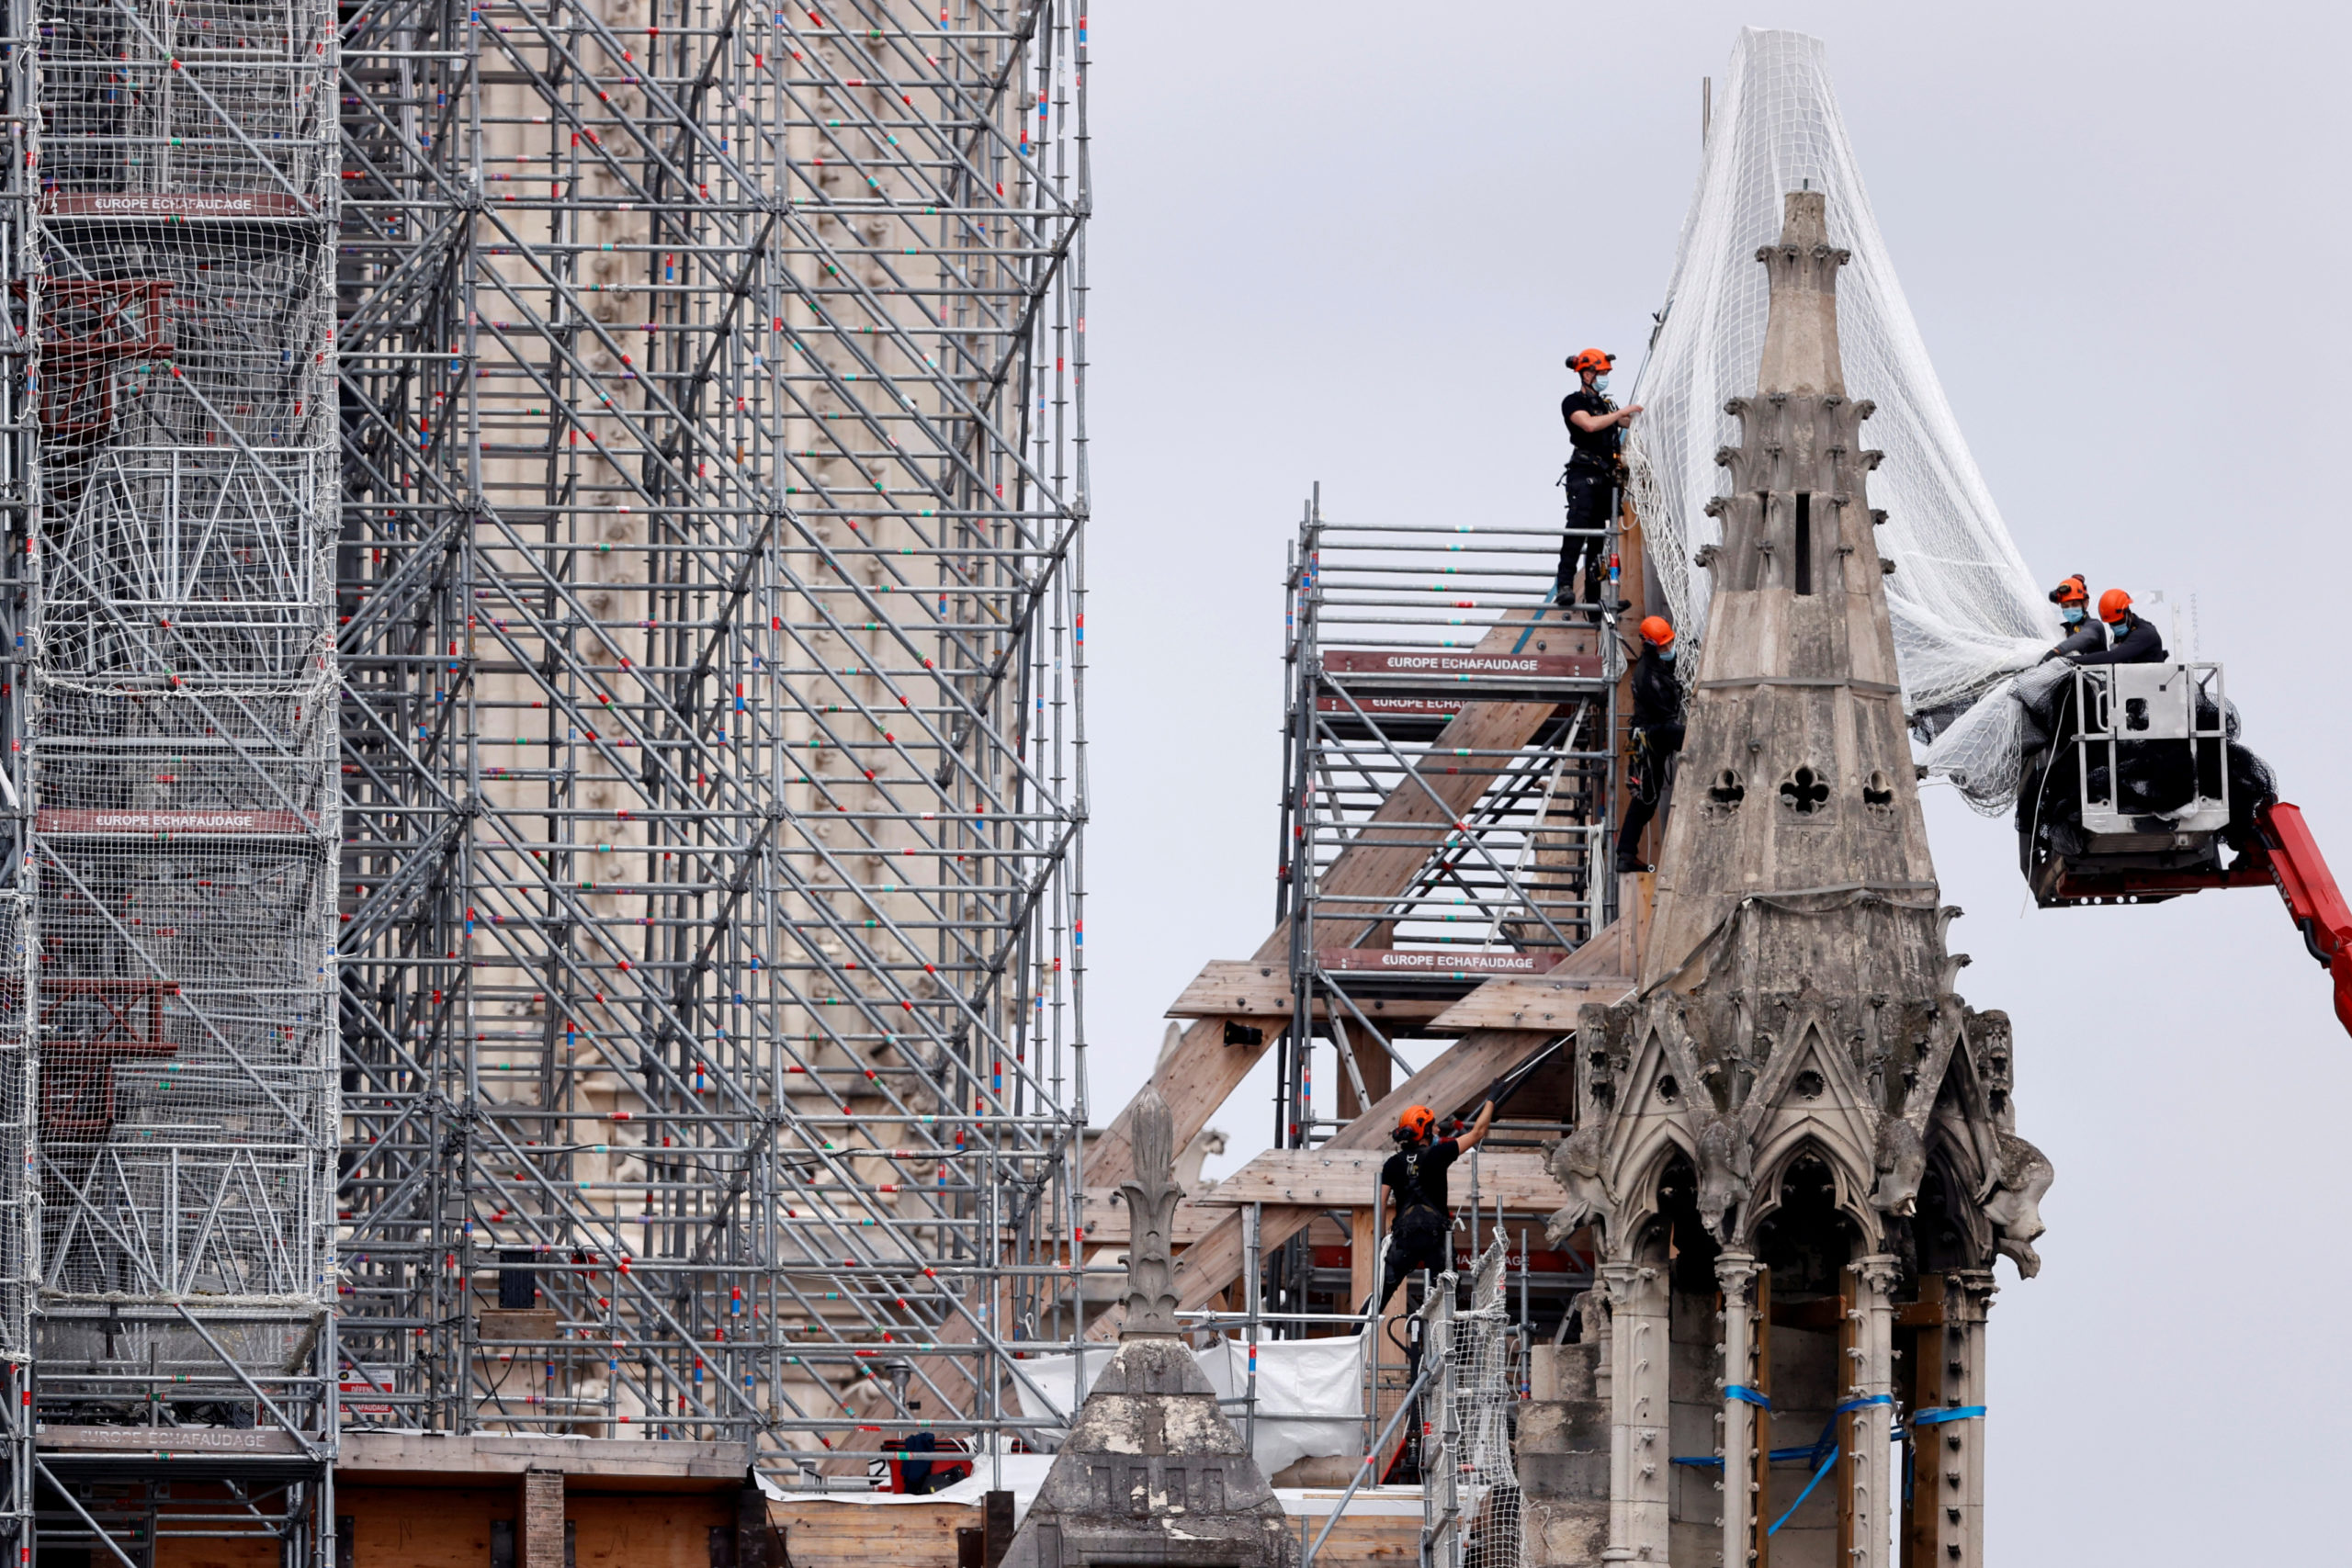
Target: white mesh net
column 19, row 1198
column 1471, row 1486
column 1967, row 613
column 183, row 692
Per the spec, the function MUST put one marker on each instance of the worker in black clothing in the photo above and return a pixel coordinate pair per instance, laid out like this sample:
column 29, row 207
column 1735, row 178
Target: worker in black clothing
column 1595, row 472
column 1415, row 1178
column 2084, row 635
column 1658, row 736
column 2130, row 639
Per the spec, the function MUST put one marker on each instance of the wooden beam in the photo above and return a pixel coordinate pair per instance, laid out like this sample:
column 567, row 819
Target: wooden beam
column 1379, row 1070
column 1342, row 1178
column 1539, row 1001
column 1202, row 1071
column 1462, row 1071
column 819, row 1534
column 1363, row 1255
column 1246, row 989
column 1923, row 1366
column 1106, row 1219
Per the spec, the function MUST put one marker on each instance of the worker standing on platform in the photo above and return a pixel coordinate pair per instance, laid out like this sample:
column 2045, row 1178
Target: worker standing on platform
column 2130, row 639
column 2084, row 635
column 1595, row 472
column 1414, row 1177
column 1657, row 737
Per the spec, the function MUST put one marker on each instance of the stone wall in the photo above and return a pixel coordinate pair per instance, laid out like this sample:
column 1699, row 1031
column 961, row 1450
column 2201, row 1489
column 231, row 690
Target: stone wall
column 1564, row 1457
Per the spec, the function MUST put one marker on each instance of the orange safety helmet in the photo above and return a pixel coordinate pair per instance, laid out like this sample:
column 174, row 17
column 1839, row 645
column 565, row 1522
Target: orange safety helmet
column 1656, row 631
column 2072, row 590
column 1590, row 360
column 1416, row 1121
column 2112, row 605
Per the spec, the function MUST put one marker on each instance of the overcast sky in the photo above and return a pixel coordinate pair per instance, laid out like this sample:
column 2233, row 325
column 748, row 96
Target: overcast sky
column 1353, row 244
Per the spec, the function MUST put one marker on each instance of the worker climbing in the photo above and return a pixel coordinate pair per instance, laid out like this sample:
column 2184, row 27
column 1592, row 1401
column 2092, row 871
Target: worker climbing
column 1415, row 1178
column 1595, row 475
column 1657, row 737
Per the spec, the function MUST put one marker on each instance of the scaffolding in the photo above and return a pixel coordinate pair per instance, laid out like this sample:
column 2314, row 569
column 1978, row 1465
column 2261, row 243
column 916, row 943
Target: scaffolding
column 20, row 1240
column 711, row 621
column 1449, row 752
column 178, row 817
column 1445, row 713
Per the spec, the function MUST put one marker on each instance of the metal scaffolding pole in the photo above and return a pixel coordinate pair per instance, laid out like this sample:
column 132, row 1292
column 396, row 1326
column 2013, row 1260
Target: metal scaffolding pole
column 711, row 621
column 177, row 825
column 20, row 497
column 1450, row 719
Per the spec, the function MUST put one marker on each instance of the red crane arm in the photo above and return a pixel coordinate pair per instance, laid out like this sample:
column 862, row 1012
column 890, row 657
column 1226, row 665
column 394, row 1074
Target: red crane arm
column 2313, row 901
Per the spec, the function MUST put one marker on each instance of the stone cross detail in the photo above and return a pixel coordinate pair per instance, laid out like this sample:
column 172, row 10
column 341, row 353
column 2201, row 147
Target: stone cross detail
column 1151, row 1197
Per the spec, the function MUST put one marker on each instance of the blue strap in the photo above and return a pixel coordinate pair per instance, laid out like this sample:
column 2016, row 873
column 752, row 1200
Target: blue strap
column 1825, row 1452
column 1827, row 1443
column 1811, row 1450
column 1819, row 1471
column 1777, row 1456
column 1762, row 1401
column 1937, row 1417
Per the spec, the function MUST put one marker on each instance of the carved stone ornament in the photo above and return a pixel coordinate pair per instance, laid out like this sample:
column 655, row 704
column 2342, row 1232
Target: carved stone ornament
column 1153, row 1471
column 1151, row 1197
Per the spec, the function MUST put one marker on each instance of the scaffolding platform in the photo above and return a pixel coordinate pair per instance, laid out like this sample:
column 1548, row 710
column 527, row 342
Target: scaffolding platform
column 1449, row 748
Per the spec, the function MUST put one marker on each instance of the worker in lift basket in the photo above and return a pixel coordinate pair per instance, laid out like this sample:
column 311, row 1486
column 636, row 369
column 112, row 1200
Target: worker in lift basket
column 2084, row 635
column 2131, row 640
column 1595, row 428
column 1658, row 736
column 1415, row 1176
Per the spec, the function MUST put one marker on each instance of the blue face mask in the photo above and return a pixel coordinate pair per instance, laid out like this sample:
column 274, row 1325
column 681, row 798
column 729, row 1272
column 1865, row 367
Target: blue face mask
column 1600, row 383
column 2070, row 615
column 1666, row 654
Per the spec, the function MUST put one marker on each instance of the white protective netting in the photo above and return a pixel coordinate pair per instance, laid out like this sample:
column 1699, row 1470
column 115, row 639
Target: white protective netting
column 183, row 695
column 1469, row 1479
column 19, row 1196
column 1967, row 613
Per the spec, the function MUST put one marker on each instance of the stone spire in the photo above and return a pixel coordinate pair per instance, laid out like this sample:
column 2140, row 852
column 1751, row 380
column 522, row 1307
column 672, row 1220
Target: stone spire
column 1797, row 771
column 1796, row 1105
column 1800, row 344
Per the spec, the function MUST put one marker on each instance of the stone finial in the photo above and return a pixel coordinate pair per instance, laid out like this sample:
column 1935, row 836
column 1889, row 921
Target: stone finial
column 1801, row 333
column 1151, row 1198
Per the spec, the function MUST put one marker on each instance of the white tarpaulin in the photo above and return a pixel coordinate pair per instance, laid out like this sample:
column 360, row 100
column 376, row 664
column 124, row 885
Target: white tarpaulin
column 1310, row 1394
column 1020, row 1474
column 1967, row 613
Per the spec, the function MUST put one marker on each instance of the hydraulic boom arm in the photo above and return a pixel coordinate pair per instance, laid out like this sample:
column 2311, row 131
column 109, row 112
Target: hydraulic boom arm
column 2284, row 854
column 2312, row 898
